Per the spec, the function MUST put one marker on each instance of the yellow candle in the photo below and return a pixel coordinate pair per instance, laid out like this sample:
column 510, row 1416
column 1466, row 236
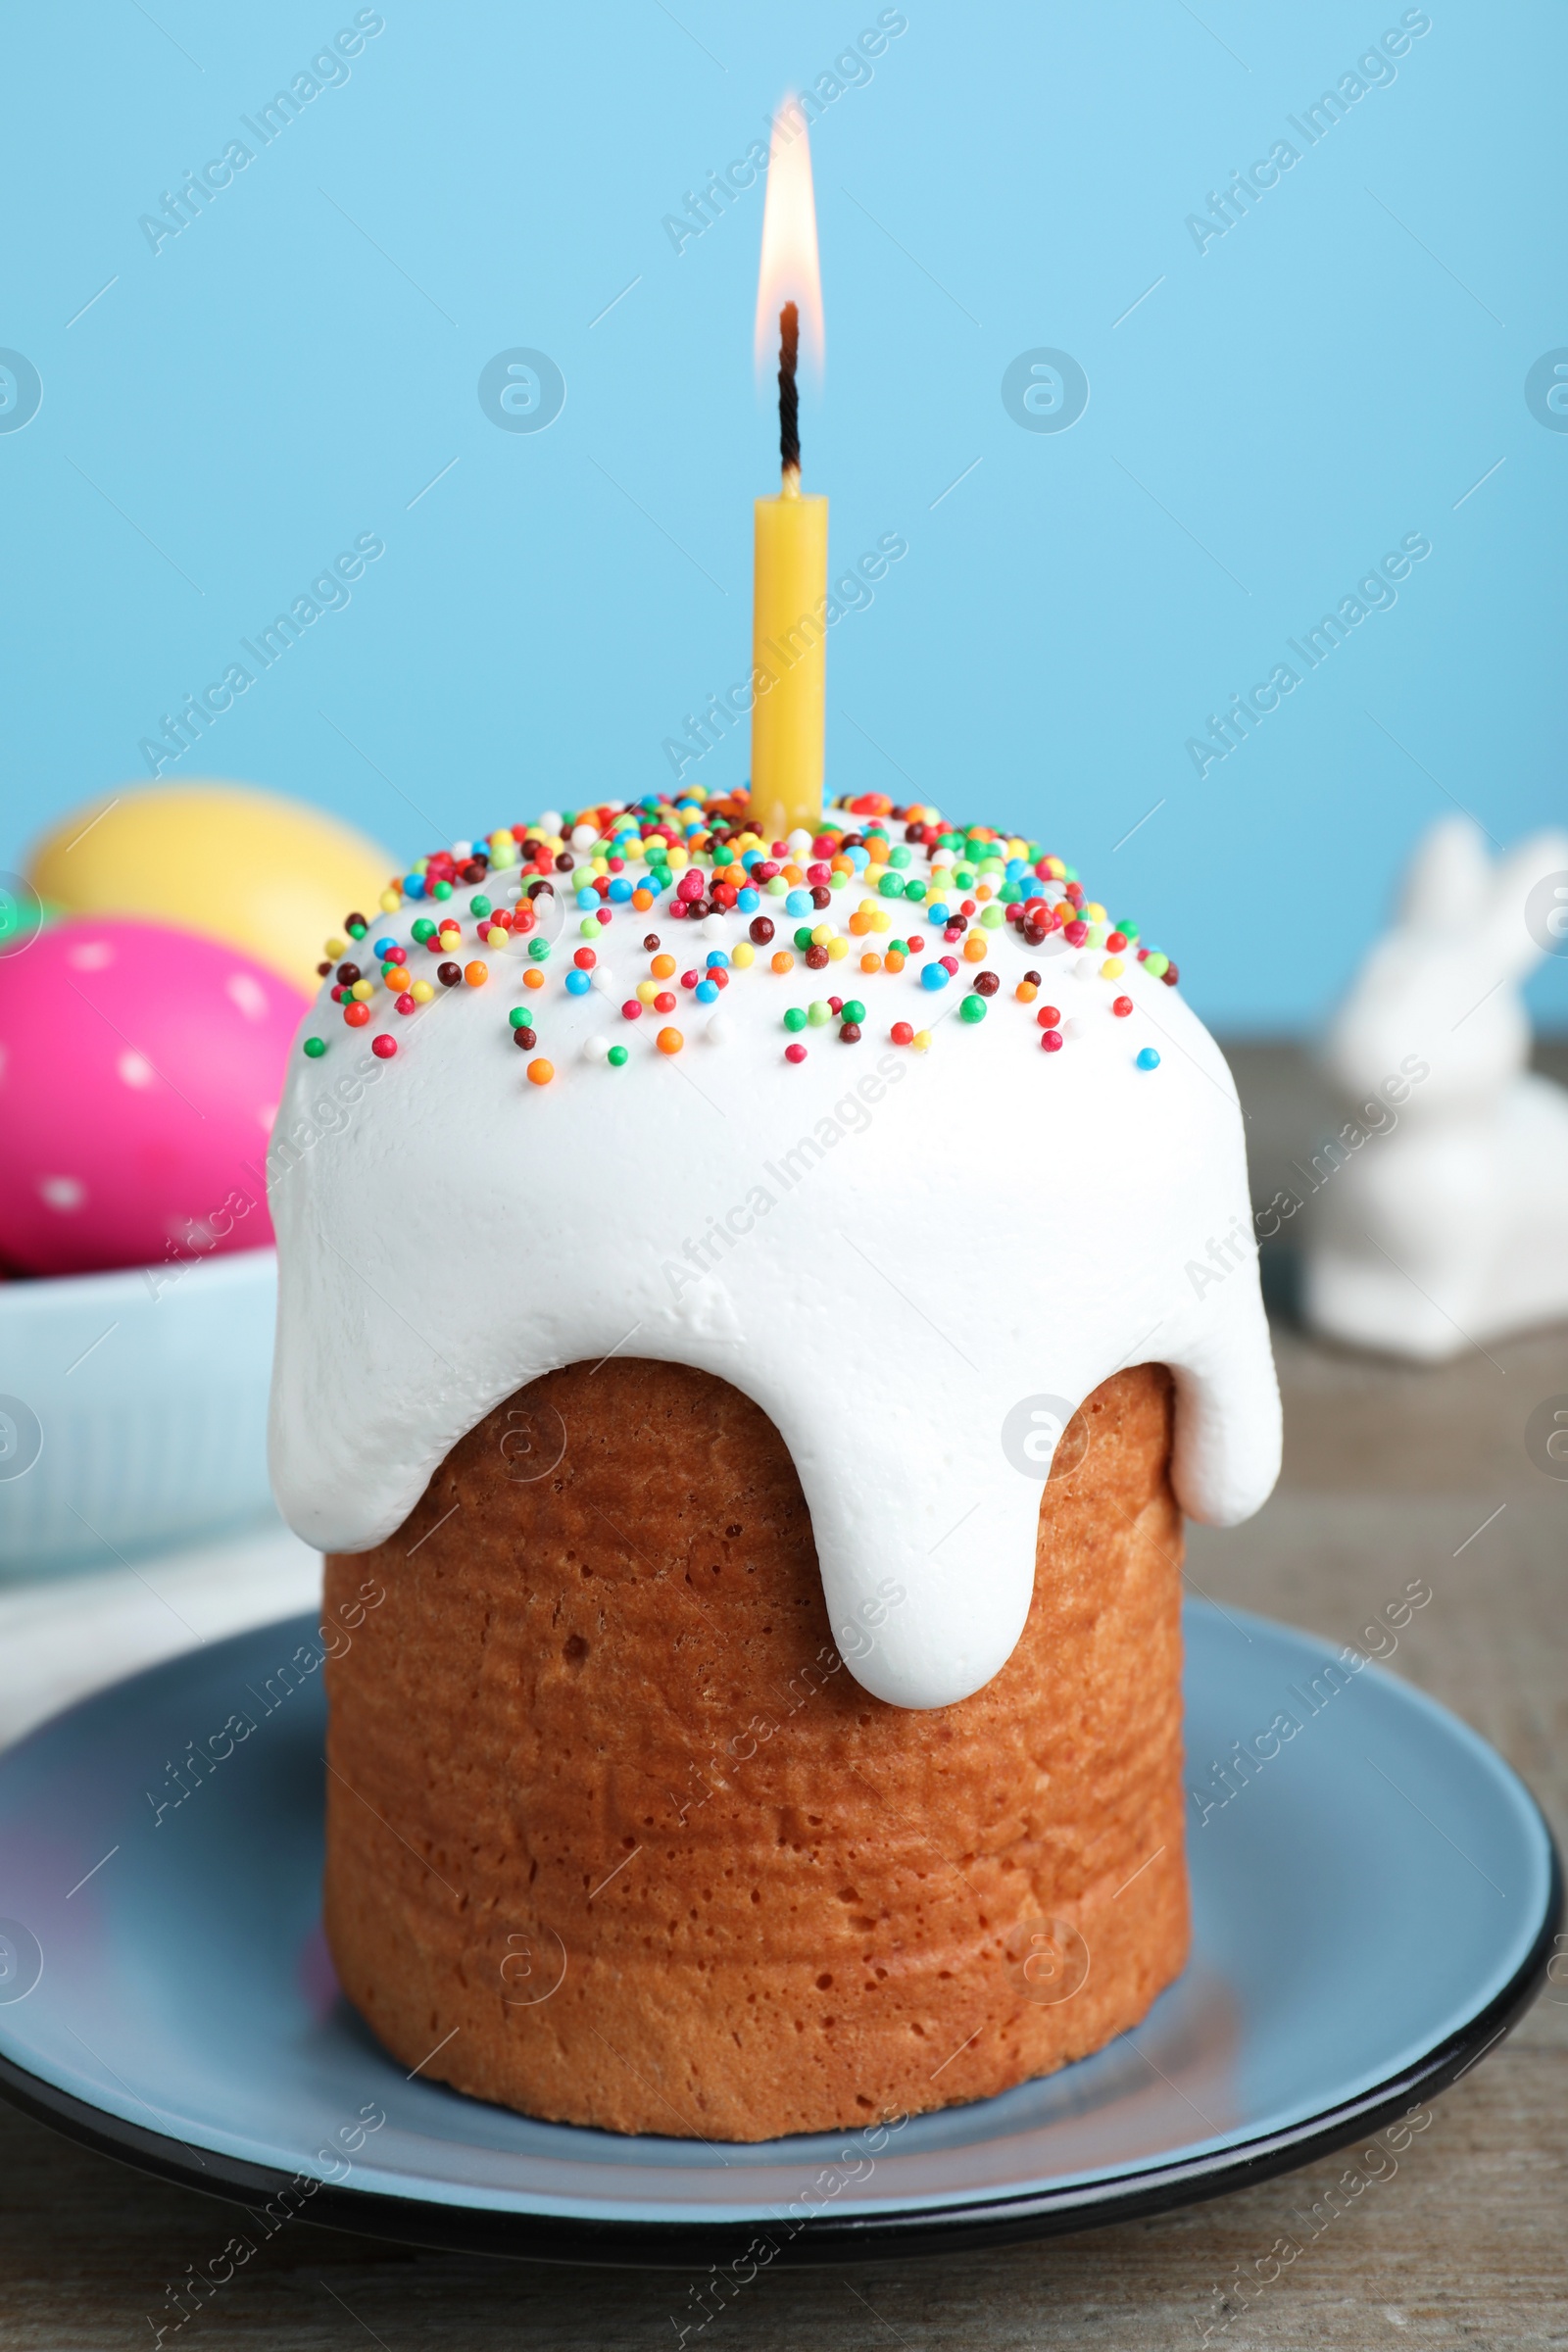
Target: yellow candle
column 789, row 666
column 788, row 604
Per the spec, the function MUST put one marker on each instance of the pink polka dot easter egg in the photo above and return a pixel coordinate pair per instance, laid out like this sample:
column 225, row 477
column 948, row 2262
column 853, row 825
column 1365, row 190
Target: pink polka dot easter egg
column 140, row 1068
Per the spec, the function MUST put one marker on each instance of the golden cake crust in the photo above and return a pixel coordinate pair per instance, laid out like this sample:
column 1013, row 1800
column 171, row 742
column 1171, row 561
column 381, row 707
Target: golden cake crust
column 611, row 1821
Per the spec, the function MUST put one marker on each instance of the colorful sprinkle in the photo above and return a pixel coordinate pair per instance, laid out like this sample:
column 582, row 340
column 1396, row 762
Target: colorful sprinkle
column 830, row 899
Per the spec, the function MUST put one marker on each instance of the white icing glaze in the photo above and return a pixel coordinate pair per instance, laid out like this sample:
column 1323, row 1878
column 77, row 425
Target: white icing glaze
column 966, row 1229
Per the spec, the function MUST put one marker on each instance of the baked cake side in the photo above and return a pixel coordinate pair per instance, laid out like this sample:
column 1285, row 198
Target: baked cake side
column 611, row 1821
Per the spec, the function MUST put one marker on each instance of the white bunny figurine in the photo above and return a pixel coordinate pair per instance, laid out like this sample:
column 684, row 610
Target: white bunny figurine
column 1440, row 1217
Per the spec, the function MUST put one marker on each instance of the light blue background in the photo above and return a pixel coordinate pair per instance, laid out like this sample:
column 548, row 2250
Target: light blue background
column 1276, row 414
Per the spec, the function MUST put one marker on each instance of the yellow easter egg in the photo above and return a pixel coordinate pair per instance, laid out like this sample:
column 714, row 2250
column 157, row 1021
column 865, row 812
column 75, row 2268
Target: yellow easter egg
column 253, row 868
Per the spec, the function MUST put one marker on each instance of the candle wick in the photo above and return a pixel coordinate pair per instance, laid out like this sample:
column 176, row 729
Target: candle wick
column 789, row 399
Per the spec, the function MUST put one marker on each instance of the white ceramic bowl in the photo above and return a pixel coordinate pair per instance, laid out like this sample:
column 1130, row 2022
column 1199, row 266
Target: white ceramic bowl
column 133, row 1409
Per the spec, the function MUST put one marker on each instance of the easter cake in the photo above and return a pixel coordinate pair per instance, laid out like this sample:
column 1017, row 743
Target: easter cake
column 742, row 1312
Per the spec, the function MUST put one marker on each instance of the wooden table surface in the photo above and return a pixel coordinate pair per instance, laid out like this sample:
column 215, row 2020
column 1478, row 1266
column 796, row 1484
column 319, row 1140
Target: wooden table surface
column 1388, row 1473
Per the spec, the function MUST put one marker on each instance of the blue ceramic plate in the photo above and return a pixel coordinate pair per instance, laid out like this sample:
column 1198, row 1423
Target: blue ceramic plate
column 1374, row 1906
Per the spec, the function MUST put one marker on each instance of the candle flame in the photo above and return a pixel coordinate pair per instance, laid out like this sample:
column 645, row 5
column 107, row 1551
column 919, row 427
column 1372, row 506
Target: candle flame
column 790, row 271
